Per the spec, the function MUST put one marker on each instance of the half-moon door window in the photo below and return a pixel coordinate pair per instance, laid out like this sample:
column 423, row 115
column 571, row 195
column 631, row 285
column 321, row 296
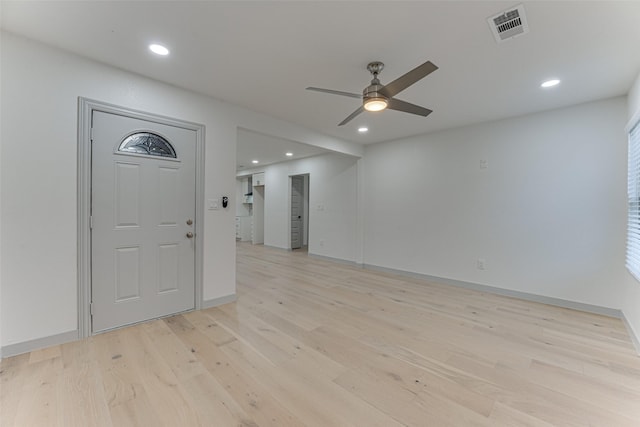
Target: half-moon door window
column 147, row 143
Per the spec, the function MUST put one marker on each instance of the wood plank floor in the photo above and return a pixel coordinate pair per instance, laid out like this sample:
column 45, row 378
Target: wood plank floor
column 315, row 343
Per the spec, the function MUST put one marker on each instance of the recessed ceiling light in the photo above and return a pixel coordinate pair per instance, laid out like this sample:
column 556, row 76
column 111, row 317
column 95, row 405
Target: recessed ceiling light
column 550, row 83
column 363, row 129
column 288, row 154
column 254, row 162
column 158, row 49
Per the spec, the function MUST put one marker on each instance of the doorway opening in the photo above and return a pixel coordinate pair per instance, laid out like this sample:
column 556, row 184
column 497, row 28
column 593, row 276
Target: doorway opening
column 299, row 212
column 257, row 229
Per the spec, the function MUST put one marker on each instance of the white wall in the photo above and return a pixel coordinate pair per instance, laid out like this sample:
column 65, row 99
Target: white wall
column 633, row 99
column 257, row 216
column 332, row 199
column 40, row 90
column 1, row 237
column 631, row 287
column 548, row 214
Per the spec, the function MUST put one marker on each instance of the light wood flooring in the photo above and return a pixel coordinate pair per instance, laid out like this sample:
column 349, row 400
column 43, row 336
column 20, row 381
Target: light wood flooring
column 316, row 343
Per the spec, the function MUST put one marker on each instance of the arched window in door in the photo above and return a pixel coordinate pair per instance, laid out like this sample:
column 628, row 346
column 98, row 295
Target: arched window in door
column 147, row 143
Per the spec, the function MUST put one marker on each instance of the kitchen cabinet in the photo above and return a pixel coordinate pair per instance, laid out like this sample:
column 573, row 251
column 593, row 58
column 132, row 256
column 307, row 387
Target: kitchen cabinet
column 243, row 228
column 258, row 179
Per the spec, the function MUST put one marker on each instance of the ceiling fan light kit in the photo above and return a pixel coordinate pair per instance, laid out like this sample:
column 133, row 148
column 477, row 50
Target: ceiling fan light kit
column 375, row 104
column 378, row 97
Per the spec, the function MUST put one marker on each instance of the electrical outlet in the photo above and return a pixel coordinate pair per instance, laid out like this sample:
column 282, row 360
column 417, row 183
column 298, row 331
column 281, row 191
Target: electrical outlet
column 321, row 242
column 484, row 163
column 481, row 264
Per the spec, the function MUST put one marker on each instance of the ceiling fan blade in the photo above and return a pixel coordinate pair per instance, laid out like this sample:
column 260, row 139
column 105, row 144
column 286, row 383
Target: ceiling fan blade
column 336, row 92
column 406, row 80
column 351, row 116
column 398, row 105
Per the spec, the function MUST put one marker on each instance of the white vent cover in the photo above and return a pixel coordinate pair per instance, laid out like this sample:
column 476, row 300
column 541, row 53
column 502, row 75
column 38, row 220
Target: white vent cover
column 509, row 23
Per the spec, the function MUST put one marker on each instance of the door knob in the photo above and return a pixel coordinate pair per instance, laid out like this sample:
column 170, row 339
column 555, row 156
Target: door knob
column 189, row 234
column 189, row 222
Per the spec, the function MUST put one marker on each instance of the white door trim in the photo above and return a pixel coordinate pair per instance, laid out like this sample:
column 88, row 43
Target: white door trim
column 86, row 107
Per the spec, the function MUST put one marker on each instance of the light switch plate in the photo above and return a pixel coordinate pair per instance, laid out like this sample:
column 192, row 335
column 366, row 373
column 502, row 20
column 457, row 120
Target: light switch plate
column 213, row 204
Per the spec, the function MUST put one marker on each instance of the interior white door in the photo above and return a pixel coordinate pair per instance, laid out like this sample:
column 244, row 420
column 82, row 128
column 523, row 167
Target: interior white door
column 143, row 220
column 297, row 189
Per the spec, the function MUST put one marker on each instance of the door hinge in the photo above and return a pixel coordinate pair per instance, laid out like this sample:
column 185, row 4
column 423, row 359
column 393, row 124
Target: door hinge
column 91, row 134
column 91, row 222
column 91, row 309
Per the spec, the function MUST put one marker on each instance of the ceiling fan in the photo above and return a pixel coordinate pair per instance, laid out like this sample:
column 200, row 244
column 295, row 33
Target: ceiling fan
column 377, row 97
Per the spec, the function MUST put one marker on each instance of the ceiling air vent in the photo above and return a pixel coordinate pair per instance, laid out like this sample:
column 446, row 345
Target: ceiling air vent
column 509, row 23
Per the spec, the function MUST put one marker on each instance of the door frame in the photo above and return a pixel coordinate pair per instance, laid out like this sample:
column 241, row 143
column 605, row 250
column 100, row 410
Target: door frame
column 86, row 107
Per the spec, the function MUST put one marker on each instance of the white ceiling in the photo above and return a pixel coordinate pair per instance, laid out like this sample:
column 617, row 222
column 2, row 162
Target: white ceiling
column 261, row 55
column 269, row 149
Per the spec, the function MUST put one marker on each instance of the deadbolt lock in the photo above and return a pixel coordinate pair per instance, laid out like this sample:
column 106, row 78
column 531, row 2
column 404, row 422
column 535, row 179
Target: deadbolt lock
column 189, row 222
column 189, row 235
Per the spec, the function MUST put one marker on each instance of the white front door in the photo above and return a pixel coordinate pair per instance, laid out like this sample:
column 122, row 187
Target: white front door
column 143, row 220
column 297, row 190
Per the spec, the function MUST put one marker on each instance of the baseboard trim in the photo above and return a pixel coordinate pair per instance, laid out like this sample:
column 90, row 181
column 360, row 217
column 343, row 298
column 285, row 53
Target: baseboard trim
column 635, row 339
column 38, row 343
column 218, row 301
column 274, row 247
column 559, row 302
column 338, row 260
column 65, row 337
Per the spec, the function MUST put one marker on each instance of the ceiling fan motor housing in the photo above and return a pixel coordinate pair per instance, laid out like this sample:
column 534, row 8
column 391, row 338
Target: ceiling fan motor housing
column 373, row 91
column 373, row 99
